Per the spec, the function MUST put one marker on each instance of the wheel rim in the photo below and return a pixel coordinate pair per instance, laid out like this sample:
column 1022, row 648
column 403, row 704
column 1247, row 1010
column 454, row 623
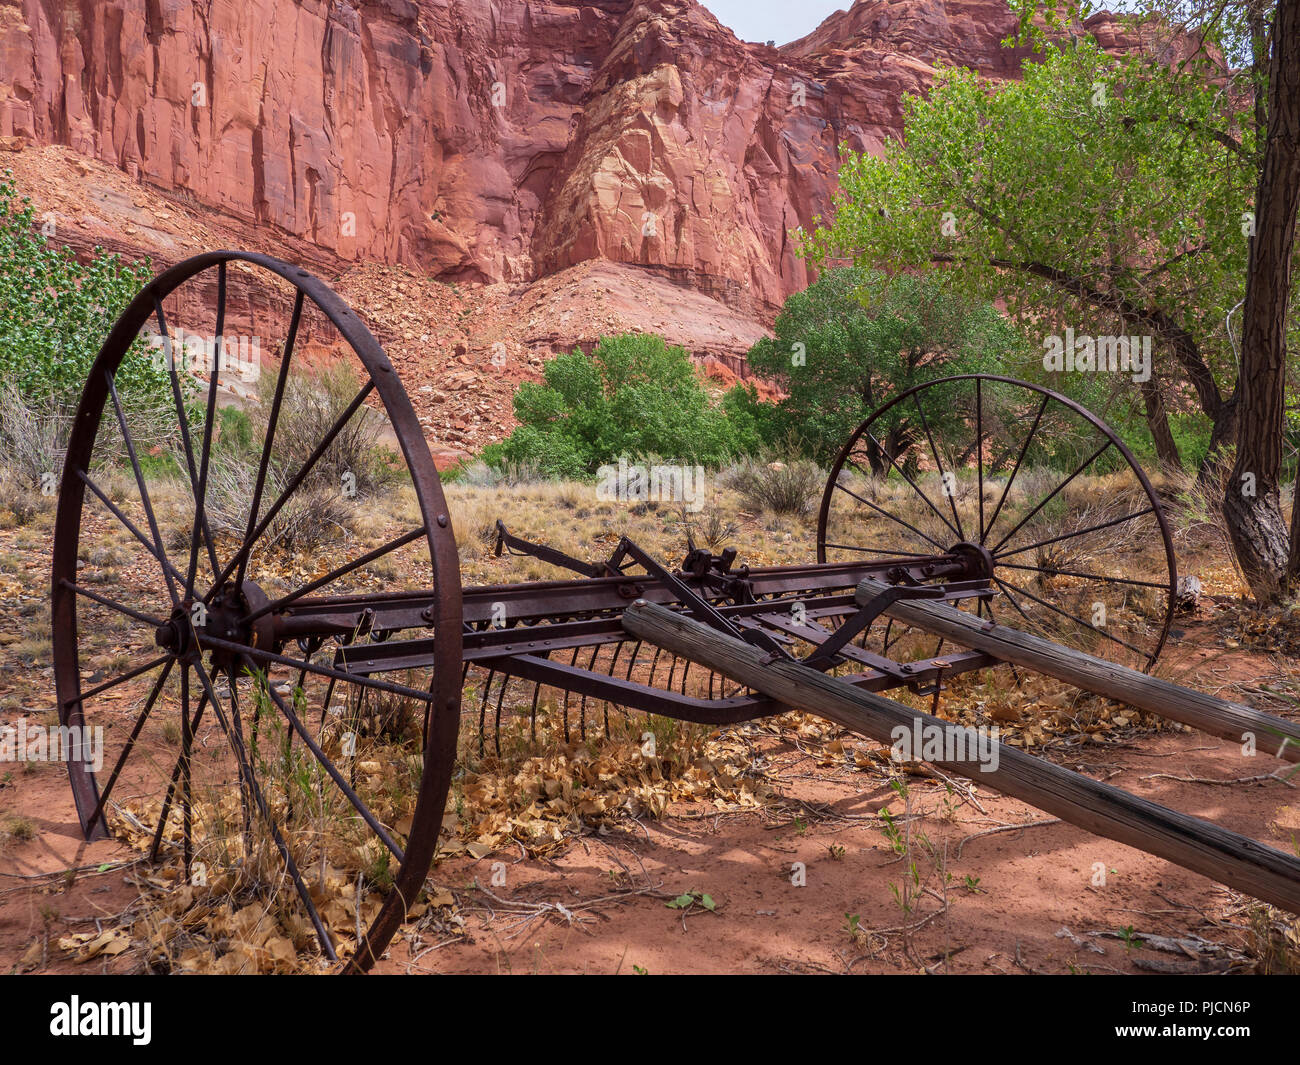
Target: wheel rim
column 207, row 606
column 1062, row 508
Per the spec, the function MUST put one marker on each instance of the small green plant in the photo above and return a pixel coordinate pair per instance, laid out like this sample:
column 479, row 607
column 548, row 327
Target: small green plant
column 893, row 833
column 640, row 971
column 1130, row 937
column 691, row 898
column 837, row 851
column 972, row 884
column 853, row 926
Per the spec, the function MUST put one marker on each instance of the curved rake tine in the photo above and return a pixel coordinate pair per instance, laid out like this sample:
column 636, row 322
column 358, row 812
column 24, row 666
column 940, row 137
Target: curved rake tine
column 613, row 663
column 264, row 809
column 636, row 650
column 582, row 706
column 482, row 712
column 532, row 711
column 505, row 680
column 573, row 662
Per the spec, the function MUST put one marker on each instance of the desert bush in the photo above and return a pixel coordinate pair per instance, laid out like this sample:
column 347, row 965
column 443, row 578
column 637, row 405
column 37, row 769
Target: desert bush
column 789, row 487
column 634, row 395
column 316, row 513
column 312, row 403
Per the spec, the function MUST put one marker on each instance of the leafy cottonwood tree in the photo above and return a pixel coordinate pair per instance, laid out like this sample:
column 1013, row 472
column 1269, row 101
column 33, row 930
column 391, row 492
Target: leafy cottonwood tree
column 1098, row 190
column 854, row 339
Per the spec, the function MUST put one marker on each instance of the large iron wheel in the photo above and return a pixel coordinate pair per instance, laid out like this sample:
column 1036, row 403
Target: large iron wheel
column 1040, row 494
column 252, row 760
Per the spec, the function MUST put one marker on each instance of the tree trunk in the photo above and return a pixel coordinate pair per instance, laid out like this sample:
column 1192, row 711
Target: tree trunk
column 1158, row 422
column 1252, row 504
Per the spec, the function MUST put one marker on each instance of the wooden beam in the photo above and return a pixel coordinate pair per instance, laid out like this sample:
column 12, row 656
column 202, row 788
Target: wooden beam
column 1227, row 857
column 1230, row 721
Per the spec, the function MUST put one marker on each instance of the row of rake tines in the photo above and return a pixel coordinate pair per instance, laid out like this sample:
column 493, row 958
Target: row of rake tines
column 628, row 659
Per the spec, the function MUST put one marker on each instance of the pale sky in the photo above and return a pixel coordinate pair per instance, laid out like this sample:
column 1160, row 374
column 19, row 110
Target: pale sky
column 773, row 20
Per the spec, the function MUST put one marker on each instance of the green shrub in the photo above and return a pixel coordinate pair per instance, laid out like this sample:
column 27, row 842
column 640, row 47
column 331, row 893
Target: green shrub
column 633, row 396
column 55, row 312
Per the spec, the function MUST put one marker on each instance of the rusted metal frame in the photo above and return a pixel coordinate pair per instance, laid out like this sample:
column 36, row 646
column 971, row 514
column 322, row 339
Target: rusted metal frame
column 543, row 599
column 519, row 546
column 823, row 657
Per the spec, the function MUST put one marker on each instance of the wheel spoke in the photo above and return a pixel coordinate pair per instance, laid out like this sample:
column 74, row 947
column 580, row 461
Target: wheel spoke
column 324, row 671
column 182, row 419
column 880, row 551
column 113, row 604
column 263, row 808
column 144, row 492
column 130, row 740
column 214, row 371
column 335, row 574
column 891, row 517
column 170, row 794
column 130, row 525
column 98, row 689
column 272, row 421
column 1055, row 491
column 1006, row 488
column 915, row 487
column 1078, row 532
column 952, row 501
column 1065, row 614
column 242, row 557
column 366, row 814
column 1087, row 576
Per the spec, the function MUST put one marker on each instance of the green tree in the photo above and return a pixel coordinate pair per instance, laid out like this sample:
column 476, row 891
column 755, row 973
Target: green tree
column 854, row 339
column 56, row 311
column 1071, row 196
column 1112, row 193
column 634, row 396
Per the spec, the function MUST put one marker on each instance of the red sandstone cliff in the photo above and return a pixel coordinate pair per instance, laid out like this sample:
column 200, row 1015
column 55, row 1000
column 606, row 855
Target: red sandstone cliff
column 487, row 140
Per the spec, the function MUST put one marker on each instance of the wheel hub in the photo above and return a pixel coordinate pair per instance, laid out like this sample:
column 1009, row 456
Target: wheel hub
column 977, row 558
column 224, row 618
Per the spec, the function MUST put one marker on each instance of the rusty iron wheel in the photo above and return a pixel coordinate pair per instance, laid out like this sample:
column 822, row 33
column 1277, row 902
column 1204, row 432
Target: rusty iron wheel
column 1065, row 556
column 264, row 784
